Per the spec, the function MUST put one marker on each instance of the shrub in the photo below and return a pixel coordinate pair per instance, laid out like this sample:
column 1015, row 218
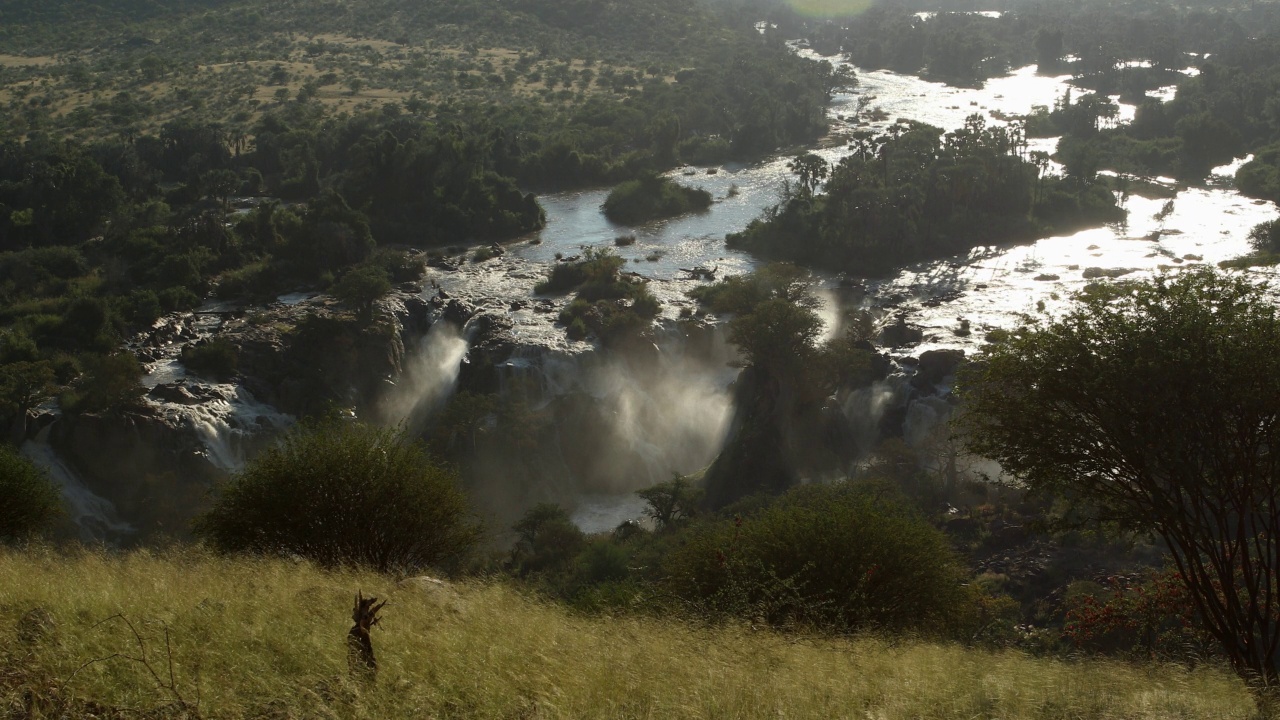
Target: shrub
column 361, row 287
column 650, row 198
column 109, row 383
column 29, row 501
column 212, row 358
column 548, row 539
column 344, row 494
column 828, row 557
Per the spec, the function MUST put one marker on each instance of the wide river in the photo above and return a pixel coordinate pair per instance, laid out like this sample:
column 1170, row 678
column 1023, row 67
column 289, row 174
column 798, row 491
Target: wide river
column 991, row 287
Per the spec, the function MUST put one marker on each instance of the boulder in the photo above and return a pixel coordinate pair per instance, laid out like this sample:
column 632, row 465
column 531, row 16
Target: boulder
column 935, row 366
column 900, row 333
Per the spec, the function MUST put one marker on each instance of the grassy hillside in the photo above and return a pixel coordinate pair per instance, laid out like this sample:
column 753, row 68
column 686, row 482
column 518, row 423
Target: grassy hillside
column 266, row 639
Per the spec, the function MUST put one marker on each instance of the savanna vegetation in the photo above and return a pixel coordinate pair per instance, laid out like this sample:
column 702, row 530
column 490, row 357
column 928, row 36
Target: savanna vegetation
column 1119, row 566
column 156, row 156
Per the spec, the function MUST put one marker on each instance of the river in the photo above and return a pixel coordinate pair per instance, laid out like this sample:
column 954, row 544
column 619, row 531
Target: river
column 991, row 287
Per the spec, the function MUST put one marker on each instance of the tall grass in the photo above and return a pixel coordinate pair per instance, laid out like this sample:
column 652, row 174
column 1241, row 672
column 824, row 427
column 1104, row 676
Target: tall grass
column 267, row 638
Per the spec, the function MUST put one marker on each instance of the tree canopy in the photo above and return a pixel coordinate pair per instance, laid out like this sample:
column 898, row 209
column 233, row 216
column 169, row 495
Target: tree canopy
column 1156, row 404
column 344, row 494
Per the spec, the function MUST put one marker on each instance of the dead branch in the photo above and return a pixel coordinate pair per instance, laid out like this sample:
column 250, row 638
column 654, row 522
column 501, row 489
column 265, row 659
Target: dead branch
column 171, row 686
column 360, row 656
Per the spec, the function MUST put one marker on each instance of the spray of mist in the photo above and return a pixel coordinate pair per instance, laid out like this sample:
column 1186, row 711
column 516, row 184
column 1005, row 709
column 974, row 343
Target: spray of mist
column 429, row 376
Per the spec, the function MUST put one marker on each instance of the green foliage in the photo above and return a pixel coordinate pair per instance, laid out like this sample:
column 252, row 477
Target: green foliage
column 900, row 197
column 216, row 358
column 1076, row 408
column 599, row 266
column 651, row 198
column 29, row 501
column 829, row 557
column 109, row 383
column 548, row 540
column 776, row 334
column 672, row 502
column 608, row 303
column 344, row 494
column 362, row 287
column 24, row 385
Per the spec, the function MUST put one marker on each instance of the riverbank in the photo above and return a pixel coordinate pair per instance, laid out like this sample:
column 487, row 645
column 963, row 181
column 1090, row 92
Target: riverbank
column 267, row 638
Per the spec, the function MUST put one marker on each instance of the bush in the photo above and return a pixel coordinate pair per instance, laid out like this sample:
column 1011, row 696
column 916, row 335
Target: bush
column 639, row 201
column 212, row 358
column 109, row 383
column 548, row 540
column 29, row 501
column 827, row 557
column 344, row 494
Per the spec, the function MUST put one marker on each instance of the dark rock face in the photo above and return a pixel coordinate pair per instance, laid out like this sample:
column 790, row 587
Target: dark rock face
column 304, row 358
column 900, row 333
column 936, row 366
column 155, row 471
column 756, row 457
column 491, row 344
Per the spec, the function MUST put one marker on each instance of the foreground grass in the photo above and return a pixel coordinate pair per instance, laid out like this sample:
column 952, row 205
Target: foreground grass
column 255, row 638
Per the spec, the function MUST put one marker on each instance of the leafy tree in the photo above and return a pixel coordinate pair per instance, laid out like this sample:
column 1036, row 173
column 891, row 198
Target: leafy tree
column 548, row 539
column 361, row 287
column 344, row 494
column 777, row 334
column 1156, row 405
column 109, row 383
column 29, row 501
column 24, row 385
column 810, row 170
column 216, row 358
column 672, row 501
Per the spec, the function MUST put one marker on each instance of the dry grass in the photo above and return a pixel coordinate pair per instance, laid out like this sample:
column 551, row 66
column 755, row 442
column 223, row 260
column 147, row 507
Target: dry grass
column 26, row 61
column 267, row 638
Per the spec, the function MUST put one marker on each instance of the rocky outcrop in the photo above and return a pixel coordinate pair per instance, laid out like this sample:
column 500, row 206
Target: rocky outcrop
column 935, row 366
column 155, row 471
column 306, row 357
column 900, row 333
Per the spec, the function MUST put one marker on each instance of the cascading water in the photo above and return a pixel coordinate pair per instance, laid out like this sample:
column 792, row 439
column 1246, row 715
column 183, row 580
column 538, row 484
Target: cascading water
column 226, row 419
column 94, row 516
column 429, row 377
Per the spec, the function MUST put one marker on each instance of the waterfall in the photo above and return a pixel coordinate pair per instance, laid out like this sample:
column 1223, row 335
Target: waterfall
column 430, row 375
column 864, row 408
column 651, row 411
column 94, row 516
column 225, row 421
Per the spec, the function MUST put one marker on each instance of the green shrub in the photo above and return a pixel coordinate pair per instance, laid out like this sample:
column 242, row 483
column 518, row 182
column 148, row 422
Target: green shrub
column 108, row 383
column 827, row 557
column 344, row 494
column 29, row 501
column 362, row 286
column 548, row 540
column 650, row 198
column 216, row 358
column 598, row 266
